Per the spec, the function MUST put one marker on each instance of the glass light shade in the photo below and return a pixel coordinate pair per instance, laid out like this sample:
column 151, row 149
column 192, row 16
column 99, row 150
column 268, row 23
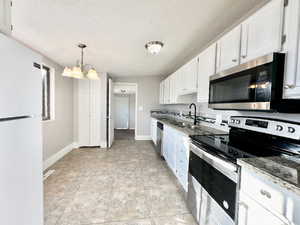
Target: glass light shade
column 154, row 47
column 77, row 73
column 92, row 74
column 67, row 72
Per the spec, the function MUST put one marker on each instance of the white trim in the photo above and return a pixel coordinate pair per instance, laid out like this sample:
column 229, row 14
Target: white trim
column 103, row 144
column 143, row 137
column 57, row 156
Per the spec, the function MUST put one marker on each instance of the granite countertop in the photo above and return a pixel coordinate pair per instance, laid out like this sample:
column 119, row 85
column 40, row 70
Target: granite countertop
column 199, row 130
column 281, row 170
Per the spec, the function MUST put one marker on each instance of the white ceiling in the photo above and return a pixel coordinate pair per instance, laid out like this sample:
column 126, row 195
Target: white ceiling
column 117, row 30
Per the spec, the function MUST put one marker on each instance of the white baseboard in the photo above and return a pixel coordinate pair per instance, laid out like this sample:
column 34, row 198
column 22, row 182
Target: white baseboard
column 103, row 144
column 57, row 156
column 143, row 137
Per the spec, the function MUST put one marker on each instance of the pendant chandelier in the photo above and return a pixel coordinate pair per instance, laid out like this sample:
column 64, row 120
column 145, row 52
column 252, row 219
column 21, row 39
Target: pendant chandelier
column 81, row 71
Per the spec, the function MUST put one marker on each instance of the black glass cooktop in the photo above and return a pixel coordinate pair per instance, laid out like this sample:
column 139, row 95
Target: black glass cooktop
column 244, row 144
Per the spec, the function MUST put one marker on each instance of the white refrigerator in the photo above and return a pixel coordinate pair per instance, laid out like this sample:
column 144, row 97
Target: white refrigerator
column 21, row 175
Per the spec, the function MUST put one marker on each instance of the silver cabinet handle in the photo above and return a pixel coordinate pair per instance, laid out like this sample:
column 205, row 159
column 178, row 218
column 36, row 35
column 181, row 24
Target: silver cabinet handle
column 289, row 86
column 244, row 56
column 265, row 193
column 234, row 60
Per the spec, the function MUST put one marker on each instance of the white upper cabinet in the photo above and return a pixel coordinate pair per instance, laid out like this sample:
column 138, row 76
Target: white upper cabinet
column 161, row 93
column 206, row 68
column 292, row 73
column 189, row 73
column 228, row 50
column 262, row 32
column 5, row 16
column 173, row 91
column 167, row 99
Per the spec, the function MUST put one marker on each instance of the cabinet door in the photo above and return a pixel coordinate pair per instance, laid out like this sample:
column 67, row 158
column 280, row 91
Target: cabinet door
column 206, row 68
column 167, row 91
column 228, row 53
column 292, row 73
column 161, row 93
column 262, row 32
column 250, row 212
column 5, row 16
column 173, row 93
column 190, row 72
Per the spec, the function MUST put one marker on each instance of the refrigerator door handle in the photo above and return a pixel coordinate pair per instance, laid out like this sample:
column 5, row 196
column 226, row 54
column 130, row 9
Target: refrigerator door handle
column 14, row 118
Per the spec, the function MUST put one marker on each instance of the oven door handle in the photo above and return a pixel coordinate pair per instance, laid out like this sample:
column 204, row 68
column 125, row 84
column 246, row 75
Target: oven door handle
column 214, row 159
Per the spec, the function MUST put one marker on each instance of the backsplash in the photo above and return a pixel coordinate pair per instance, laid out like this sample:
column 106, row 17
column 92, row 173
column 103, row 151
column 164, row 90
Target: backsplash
column 204, row 111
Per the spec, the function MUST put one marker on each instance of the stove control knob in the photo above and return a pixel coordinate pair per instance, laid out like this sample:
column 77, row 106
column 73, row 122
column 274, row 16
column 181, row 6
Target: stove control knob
column 237, row 121
column 232, row 120
column 291, row 130
column 279, row 128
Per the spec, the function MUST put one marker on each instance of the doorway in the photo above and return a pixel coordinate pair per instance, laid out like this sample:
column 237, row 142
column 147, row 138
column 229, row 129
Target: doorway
column 122, row 111
column 124, row 116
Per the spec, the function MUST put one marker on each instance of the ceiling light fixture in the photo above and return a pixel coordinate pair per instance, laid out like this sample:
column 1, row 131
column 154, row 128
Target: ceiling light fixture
column 81, row 70
column 154, row 47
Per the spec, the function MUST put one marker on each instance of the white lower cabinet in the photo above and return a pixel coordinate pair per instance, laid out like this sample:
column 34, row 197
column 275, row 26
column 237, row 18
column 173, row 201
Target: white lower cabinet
column 5, row 16
column 154, row 131
column 252, row 213
column 263, row 201
column 176, row 154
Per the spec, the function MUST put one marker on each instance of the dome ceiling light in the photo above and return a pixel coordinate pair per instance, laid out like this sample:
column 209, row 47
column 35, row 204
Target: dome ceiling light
column 81, row 71
column 154, row 47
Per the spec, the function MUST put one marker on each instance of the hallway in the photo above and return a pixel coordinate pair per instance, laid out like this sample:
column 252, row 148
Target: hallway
column 124, row 134
column 125, row 185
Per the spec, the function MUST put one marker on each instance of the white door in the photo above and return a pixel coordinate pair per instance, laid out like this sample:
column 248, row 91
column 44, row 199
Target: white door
column 21, row 172
column 121, row 111
column 228, row 53
column 252, row 213
column 110, row 116
column 95, row 112
column 262, row 32
column 84, row 131
column 206, row 68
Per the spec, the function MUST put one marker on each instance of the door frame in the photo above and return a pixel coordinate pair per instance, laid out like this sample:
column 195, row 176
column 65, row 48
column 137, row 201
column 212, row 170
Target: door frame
column 136, row 102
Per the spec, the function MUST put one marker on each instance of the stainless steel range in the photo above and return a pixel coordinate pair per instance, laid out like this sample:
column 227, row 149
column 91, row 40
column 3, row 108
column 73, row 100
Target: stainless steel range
column 213, row 170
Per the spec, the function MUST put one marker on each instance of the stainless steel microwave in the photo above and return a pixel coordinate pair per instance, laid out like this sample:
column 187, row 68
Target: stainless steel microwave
column 253, row 86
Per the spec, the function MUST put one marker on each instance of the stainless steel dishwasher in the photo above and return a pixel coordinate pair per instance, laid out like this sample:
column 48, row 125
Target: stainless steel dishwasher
column 160, row 132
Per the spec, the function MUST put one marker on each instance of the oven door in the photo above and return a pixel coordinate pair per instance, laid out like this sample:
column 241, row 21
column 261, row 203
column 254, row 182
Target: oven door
column 250, row 86
column 218, row 191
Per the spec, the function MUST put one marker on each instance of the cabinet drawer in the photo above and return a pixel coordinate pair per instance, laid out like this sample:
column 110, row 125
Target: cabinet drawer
column 267, row 194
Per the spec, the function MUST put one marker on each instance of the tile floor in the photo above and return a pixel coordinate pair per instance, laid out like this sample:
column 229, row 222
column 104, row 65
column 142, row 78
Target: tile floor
column 124, row 134
column 126, row 185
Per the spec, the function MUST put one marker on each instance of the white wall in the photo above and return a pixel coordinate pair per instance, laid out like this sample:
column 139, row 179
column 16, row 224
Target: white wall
column 58, row 133
column 148, row 99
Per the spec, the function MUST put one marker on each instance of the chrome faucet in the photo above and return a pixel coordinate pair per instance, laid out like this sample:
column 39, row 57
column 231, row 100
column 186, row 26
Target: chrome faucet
column 195, row 112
